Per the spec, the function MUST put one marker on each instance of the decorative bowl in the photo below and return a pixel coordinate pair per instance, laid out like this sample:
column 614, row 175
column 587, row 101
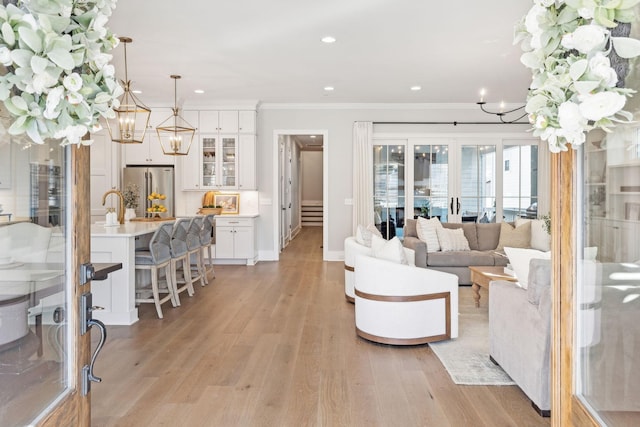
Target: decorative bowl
column 209, row 211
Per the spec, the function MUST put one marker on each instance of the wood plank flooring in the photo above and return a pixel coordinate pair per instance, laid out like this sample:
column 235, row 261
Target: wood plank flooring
column 274, row 345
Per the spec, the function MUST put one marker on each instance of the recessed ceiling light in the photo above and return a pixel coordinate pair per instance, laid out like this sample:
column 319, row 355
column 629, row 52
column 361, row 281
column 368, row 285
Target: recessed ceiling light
column 416, row 88
column 328, row 39
column 328, row 88
column 312, row 136
column 137, row 92
column 198, row 91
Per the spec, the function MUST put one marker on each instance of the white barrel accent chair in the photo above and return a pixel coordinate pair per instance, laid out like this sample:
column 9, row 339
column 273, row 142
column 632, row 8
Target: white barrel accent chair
column 403, row 304
column 351, row 250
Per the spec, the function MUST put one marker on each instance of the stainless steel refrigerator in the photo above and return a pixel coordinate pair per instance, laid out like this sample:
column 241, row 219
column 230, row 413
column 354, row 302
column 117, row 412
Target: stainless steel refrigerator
column 159, row 179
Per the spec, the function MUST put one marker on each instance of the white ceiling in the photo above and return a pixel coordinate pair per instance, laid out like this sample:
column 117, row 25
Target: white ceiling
column 270, row 51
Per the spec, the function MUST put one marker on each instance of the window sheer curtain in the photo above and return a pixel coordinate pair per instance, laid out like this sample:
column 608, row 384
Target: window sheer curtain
column 362, row 174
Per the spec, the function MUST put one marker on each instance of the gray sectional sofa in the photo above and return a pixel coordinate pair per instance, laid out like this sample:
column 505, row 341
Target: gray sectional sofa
column 483, row 240
column 520, row 333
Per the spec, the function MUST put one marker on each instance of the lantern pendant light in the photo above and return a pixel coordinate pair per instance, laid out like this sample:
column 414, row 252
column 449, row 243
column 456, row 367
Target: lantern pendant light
column 175, row 133
column 132, row 116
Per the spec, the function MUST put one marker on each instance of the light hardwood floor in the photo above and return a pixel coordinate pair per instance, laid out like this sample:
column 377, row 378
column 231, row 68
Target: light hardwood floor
column 274, row 345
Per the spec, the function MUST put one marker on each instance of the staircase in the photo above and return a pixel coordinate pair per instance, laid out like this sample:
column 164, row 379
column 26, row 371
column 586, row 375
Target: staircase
column 311, row 213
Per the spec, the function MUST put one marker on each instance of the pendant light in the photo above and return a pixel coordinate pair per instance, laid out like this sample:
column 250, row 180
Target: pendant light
column 132, row 116
column 175, row 133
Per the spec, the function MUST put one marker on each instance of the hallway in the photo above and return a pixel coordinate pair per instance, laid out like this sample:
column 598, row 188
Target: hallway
column 274, row 345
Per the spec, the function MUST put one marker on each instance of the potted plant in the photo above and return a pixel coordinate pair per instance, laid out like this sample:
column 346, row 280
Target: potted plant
column 131, row 195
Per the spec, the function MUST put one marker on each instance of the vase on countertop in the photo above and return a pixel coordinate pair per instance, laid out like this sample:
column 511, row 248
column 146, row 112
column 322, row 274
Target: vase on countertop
column 129, row 214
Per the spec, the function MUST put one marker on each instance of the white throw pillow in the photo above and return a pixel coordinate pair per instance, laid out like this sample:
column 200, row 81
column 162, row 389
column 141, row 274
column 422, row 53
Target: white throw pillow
column 452, row 239
column 540, row 239
column 519, row 259
column 391, row 250
column 427, row 232
column 363, row 235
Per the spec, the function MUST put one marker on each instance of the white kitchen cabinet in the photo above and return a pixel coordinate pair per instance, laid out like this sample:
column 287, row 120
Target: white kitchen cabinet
column 224, row 157
column 247, row 162
column 105, row 173
column 236, row 239
column 219, row 154
column 247, row 121
column 147, row 153
column 190, row 166
column 223, row 121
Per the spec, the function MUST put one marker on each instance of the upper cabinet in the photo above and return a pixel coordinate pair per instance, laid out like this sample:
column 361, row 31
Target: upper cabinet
column 224, row 156
column 247, row 122
column 225, row 121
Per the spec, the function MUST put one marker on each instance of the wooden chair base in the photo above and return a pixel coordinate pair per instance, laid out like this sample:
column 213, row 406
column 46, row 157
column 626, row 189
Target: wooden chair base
column 400, row 341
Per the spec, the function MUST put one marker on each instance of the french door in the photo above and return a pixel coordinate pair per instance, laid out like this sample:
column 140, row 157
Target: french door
column 43, row 352
column 457, row 179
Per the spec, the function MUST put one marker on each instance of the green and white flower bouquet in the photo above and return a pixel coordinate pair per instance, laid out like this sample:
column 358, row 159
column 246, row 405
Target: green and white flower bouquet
column 57, row 80
column 568, row 46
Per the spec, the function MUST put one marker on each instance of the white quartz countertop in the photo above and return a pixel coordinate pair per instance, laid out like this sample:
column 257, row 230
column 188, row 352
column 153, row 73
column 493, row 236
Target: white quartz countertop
column 255, row 215
column 129, row 229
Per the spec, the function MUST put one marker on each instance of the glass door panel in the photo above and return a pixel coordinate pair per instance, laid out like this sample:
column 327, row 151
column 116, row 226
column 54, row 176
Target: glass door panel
column 35, row 341
column 606, row 351
column 431, row 181
column 520, row 182
column 229, row 157
column 477, row 184
column 209, row 169
column 388, row 190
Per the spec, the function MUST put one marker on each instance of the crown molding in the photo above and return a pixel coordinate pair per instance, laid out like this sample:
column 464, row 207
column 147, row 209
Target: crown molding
column 367, row 106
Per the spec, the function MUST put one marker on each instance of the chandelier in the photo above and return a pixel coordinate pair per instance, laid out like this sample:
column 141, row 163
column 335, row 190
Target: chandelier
column 132, row 116
column 514, row 114
column 175, row 133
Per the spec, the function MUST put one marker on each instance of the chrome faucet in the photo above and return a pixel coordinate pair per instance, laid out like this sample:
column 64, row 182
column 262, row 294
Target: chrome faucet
column 120, row 206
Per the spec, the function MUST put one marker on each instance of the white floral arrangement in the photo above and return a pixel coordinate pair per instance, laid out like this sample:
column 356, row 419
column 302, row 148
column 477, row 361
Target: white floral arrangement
column 574, row 88
column 58, row 80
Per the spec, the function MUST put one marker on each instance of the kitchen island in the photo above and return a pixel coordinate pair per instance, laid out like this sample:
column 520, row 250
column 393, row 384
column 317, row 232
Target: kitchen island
column 117, row 244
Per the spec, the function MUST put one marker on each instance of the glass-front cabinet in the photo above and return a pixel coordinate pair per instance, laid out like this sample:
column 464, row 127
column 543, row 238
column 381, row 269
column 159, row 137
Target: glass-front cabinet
column 219, row 161
column 216, row 159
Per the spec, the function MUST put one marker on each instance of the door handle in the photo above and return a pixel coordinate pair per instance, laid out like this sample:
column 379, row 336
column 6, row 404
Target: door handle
column 451, row 206
column 86, row 323
column 457, row 206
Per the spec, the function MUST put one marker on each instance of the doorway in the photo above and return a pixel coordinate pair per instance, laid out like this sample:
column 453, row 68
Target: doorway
column 302, row 187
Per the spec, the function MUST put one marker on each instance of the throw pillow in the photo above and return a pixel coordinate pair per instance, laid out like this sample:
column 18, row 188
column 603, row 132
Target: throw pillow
column 374, row 230
column 391, row 250
column 452, row 239
column 514, row 237
column 363, row 235
column 427, row 232
column 540, row 239
column 519, row 259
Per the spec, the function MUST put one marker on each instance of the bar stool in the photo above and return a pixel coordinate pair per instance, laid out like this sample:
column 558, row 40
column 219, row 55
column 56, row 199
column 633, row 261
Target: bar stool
column 194, row 248
column 153, row 259
column 206, row 242
column 180, row 254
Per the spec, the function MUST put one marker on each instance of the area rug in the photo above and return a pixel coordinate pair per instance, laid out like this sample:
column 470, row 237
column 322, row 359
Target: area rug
column 466, row 358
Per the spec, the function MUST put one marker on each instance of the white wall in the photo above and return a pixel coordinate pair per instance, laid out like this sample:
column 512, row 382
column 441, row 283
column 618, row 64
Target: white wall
column 311, row 167
column 338, row 121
